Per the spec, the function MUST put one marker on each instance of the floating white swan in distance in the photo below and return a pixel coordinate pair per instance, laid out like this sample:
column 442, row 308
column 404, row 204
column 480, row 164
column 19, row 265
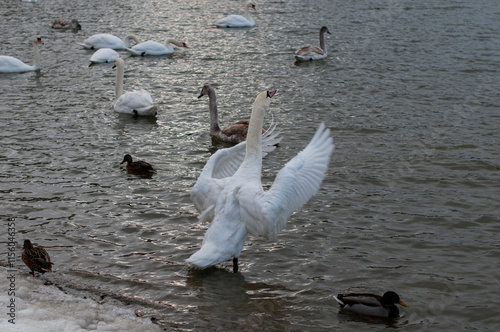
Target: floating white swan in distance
column 134, row 102
column 106, row 40
column 9, row 64
column 234, row 133
column 63, row 23
column 154, row 48
column 309, row 52
column 235, row 201
column 104, row 55
column 238, row 21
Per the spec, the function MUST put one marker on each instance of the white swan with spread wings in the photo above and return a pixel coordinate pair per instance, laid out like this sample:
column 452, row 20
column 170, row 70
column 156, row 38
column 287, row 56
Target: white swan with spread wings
column 229, row 192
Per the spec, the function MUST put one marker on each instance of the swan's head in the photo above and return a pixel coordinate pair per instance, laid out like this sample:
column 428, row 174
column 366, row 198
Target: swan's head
column 324, row 29
column 205, row 90
column 37, row 39
column 263, row 100
column 184, row 45
column 251, row 4
column 119, row 63
column 127, row 159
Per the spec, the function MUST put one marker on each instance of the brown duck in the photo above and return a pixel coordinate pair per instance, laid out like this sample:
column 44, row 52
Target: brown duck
column 36, row 258
column 138, row 167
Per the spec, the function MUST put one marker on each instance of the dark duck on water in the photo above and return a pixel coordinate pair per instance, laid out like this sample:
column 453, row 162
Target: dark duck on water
column 36, row 258
column 371, row 304
column 139, row 167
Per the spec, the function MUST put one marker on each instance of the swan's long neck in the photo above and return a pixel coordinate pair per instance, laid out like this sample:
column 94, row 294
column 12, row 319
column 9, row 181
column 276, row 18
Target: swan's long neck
column 175, row 42
column 214, row 114
column 119, row 80
column 247, row 13
column 36, row 55
column 254, row 136
column 322, row 44
column 127, row 40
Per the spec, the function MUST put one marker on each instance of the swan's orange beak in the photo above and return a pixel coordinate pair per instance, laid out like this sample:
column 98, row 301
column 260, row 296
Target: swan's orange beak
column 254, row 8
column 271, row 93
column 38, row 39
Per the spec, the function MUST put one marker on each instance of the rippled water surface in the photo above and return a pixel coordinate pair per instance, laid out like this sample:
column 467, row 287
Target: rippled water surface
column 410, row 90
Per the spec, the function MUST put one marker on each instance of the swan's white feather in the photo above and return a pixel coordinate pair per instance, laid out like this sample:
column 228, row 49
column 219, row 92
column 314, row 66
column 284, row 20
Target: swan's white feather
column 9, row 64
column 151, row 48
column 235, row 21
column 104, row 55
column 294, row 185
column 223, row 164
column 237, row 204
column 140, row 101
column 238, row 21
column 106, row 40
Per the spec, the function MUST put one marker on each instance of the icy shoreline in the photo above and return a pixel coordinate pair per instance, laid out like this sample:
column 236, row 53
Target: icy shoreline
column 34, row 306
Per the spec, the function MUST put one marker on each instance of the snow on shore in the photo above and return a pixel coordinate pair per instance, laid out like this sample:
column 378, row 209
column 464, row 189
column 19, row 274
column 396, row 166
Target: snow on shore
column 34, row 306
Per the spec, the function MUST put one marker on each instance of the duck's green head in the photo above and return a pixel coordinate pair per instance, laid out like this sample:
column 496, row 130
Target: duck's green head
column 391, row 297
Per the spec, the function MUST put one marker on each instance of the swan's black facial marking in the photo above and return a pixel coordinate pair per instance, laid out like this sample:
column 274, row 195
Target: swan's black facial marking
column 271, row 93
column 201, row 93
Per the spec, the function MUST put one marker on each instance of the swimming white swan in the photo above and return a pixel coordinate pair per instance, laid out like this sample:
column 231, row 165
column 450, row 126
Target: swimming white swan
column 103, row 40
column 134, row 102
column 63, row 23
column 9, row 64
column 154, row 48
column 238, row 21
column 309, row 52
column 234, row 133
column 232, row 197
column 104, row 55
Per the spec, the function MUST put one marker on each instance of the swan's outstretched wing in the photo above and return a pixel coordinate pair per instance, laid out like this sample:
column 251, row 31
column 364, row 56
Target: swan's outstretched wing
column 295, row 184
column 223, row 164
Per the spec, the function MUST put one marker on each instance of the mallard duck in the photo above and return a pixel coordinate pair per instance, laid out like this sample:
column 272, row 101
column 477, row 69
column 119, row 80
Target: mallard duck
column 371, row 304
column 137, row 167
column 36, row 258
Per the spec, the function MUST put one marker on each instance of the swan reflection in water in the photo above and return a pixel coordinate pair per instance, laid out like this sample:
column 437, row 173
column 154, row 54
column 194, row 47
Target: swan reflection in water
column 228, row 298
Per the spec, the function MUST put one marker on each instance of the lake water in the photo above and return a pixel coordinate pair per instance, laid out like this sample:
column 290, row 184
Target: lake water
column 410, row 203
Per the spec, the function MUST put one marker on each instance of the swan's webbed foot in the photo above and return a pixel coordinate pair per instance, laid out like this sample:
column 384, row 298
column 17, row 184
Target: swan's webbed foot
column 235, row 265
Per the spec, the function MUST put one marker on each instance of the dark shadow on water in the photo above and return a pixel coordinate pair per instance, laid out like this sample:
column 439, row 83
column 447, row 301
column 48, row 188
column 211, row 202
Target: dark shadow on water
column 231, row 302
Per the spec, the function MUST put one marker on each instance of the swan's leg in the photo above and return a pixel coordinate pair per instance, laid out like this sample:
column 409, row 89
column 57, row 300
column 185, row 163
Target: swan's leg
column 235, row 265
